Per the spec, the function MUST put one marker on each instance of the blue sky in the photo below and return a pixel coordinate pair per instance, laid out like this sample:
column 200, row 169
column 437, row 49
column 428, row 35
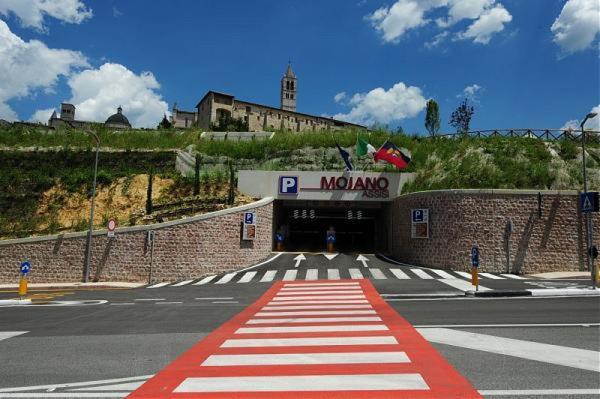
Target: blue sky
column 145, row 55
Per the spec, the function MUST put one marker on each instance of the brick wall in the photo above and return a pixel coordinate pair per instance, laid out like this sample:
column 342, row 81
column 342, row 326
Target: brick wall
column 183, row 249
column 460, row 219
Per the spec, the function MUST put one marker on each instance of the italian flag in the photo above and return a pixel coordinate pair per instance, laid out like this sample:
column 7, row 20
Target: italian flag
column 363, row 147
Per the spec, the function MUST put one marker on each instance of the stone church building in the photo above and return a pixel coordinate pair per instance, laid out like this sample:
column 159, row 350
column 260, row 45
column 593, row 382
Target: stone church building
column 215, row 105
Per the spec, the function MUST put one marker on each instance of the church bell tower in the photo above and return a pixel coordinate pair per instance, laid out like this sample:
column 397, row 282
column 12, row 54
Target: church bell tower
column 288, row 90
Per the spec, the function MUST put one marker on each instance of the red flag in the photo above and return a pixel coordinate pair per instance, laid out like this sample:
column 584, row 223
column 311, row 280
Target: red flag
column 392, row 154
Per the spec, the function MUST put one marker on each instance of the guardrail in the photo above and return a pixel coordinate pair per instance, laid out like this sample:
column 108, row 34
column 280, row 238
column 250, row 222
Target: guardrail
column 542, row 134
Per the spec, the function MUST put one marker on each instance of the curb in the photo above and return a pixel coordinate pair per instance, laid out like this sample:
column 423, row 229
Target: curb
column 498, row 293
column 15, row 302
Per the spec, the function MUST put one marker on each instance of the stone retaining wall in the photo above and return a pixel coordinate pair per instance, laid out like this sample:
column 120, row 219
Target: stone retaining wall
column 183, row 249
column 460, row 219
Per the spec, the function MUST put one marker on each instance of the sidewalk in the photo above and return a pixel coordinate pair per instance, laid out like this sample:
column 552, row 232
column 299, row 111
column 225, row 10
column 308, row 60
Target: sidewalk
column 73, row 286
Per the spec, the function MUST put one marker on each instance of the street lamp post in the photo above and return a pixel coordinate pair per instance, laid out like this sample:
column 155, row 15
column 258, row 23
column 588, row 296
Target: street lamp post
column 588, row 219
column 88, row 254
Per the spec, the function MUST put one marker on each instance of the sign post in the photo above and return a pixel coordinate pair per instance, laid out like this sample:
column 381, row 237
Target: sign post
column 25, row 268
column 590, row 202
column 279, row 239
column 474, row 266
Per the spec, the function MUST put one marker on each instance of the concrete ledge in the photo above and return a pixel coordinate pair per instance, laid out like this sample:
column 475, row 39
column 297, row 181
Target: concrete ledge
column 498, row 293
column 564, row 292
column 131, row 229
column 494, row 192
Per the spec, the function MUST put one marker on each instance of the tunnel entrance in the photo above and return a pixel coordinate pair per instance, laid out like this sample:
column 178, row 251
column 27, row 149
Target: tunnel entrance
column 359, row 226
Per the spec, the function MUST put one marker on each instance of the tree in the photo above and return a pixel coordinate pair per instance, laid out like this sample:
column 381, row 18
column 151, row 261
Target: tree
column 165, row 124
column 149, row 193
column 432, row 117
column 461, row 117
column 197, row 174
column 226, row 123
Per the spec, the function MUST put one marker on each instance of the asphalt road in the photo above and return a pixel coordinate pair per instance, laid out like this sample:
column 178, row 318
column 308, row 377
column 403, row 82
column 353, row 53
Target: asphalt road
column 136, row 333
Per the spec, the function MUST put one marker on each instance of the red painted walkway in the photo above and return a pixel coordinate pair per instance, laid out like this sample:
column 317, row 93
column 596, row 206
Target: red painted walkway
column 320, row 339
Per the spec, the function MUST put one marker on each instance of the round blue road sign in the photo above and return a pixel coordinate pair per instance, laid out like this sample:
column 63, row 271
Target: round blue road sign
column 25, row 267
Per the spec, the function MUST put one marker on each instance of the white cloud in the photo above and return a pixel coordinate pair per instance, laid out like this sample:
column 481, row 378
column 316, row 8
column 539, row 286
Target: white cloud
column 437, row 39
column 491, row 21
column 591, row 124
column 341, row 96
column 405, row 15
column 471, row 92
column 30, row 66
column 42, row 115
column 384, row 106
column 96, row 94
column 31, row 13
column 577, row 26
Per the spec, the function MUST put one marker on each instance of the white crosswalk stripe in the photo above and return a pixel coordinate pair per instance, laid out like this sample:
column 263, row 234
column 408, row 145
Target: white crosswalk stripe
column 247, row 277
column 305, row 279
column 355, row 274
column 377, row 274
column 269, row 276
column 312, row 274
column 205, row 280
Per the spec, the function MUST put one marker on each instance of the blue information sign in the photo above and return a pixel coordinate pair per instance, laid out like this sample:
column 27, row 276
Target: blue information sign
column 25, row 267
column 589, row 202
column 330, row 237
column 279, row 237
column 475, row 256
column 249, row 218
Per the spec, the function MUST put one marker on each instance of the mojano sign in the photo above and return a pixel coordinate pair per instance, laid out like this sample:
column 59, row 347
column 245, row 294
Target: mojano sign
column 333, row 186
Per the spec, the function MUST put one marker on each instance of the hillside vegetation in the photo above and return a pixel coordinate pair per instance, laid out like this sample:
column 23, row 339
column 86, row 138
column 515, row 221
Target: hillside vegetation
column 45, row 176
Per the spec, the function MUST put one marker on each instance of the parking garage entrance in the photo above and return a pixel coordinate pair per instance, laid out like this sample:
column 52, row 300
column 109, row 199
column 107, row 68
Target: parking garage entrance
column 355, row 205
column 357, row 227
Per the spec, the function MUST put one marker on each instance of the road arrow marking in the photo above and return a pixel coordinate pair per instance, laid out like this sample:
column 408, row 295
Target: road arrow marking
column 299, row 259
column 330, row 256
column 363, row 259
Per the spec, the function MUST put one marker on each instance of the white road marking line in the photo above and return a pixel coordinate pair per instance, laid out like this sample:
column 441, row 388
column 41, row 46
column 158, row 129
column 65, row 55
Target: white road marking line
column 463, row 274
column 169, row 303
column 317, row 341
column 492, row 276
column 442, row 273
column 399, row 274
column 121, row 303
column 149, row 299
column 262, row 263
column 186, row 282
column 422, row 274
column 225, row 301
column 75, row 384
column 158, row 285
column 553, row 354
column 326, row 288
column 312, row 274
column 356, row 291
column 205, row 280
column 269, row 359
column 316, row 297
column 10, row 334
column 63, row 395
column 315, row 313
column 534, row 392
column 269, row 276
column 247, row 277
column 313, row 320
column 355, row 274
column 508, row 325
column 304, row 383
column 307, row 302
column 214, row 298
column 126, row 386
column 301, row 329
column 319, row 284
column 333, row 274
column 290, row 275
column 306, row 307
column 377, row 274
column 461, row 284
column 514, row 276
column 226, row 278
